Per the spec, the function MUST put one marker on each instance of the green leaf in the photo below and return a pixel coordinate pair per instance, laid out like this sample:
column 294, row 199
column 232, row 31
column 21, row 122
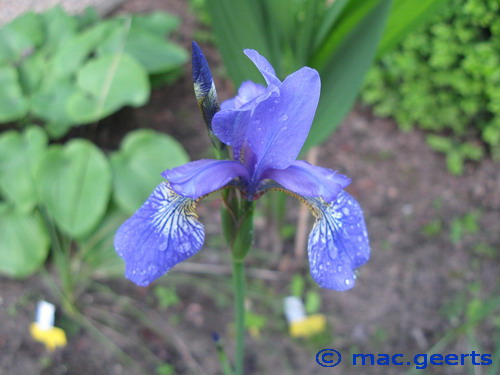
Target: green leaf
column 24, row 245
column 13, row 105
column 74, row 182
column 50, row 105
column 106, row 84
column 405, row 16
column 59, row 27
column 20, row 155
column 137, row 166
column 455, row 163
column 150, row 49
column 98, row 251
column 154, row 53
column 20, row 36
column 157, row 23
column 329, row 20
column 439, row 143
column 32, row 72
column 343, row 72
column 238, row 25
column 76, row 50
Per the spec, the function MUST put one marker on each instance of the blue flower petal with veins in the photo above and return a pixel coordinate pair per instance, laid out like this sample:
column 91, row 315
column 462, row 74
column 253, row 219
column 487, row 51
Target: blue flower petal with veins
column 266, row 128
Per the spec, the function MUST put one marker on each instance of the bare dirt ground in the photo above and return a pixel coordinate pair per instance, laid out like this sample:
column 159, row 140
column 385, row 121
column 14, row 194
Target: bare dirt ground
column 423, row 282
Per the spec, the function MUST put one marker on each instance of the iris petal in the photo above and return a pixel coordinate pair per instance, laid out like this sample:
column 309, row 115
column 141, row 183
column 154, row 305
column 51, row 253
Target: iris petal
column 280, row 124
column 202, row 177
column 231, row 124
column 162, row 233
column 265, row 68
column 338, row 242
column 309, row 180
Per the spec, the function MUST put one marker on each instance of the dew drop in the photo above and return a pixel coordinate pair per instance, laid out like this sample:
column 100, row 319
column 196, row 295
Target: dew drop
column 284, row 128
column 259, row 129
column 284, row 118
column 276, row 101
column 339, row 269
column 346, row 211
column 271, row 109
column 257, row 122
column 163, row 246
column 347, row 282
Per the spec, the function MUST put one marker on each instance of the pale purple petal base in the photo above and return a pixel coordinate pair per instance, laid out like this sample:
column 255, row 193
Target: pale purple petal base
column 162, row 233
column 338, row 243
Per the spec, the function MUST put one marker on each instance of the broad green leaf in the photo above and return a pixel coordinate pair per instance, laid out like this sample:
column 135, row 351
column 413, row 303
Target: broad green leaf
column 24, row 243
column 157, row 23
column 74, row 182
column 76, row 49
column 32, row 72
column 154, row 53
column 20, row 155
column 151, row 50
column 13, row 105
column 20, row 36
column 343, row 72
column 98, row 251
column 106, row 84
column 87, row 18
column 238, row 25
column 405, row 16
column 137, row 166
column 50, row 105
column 59, row 27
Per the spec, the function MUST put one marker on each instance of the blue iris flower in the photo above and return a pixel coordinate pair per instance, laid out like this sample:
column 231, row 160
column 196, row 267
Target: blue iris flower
column 266, row 127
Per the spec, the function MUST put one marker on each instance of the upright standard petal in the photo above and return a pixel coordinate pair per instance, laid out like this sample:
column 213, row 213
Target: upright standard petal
column 202, row 177
column 338, row 243
column 281, row 124
column 162, row 233
column 265, row 68
column 309, row 180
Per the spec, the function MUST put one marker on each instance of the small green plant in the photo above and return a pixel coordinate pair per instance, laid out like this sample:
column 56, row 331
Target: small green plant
column 59, row 70
column 70, row 199
column 444, row 79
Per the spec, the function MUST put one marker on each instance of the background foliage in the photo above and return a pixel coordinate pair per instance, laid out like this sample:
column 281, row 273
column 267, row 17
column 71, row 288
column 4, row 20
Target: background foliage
column 61, row 70
column 445, row 78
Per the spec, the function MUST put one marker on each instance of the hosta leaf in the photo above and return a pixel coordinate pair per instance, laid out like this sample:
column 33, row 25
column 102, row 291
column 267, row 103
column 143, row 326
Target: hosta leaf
column 74, row 182
column 143, row 155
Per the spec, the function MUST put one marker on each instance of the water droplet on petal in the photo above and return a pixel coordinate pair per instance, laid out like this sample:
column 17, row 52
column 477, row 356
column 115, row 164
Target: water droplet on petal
column 284, row 118
column 339, row 269
column 277, row 100
column 259, row 129
column 163, row 246
column 347, row 282
column 284, row 128
column 257, row 122
column 271, row 109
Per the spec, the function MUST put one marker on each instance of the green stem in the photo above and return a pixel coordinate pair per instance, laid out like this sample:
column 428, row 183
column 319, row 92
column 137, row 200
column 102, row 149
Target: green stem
column 239, row 311
column 62, row 261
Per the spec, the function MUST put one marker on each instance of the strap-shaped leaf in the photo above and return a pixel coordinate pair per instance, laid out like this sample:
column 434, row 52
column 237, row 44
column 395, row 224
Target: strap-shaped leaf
column 343, row 71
